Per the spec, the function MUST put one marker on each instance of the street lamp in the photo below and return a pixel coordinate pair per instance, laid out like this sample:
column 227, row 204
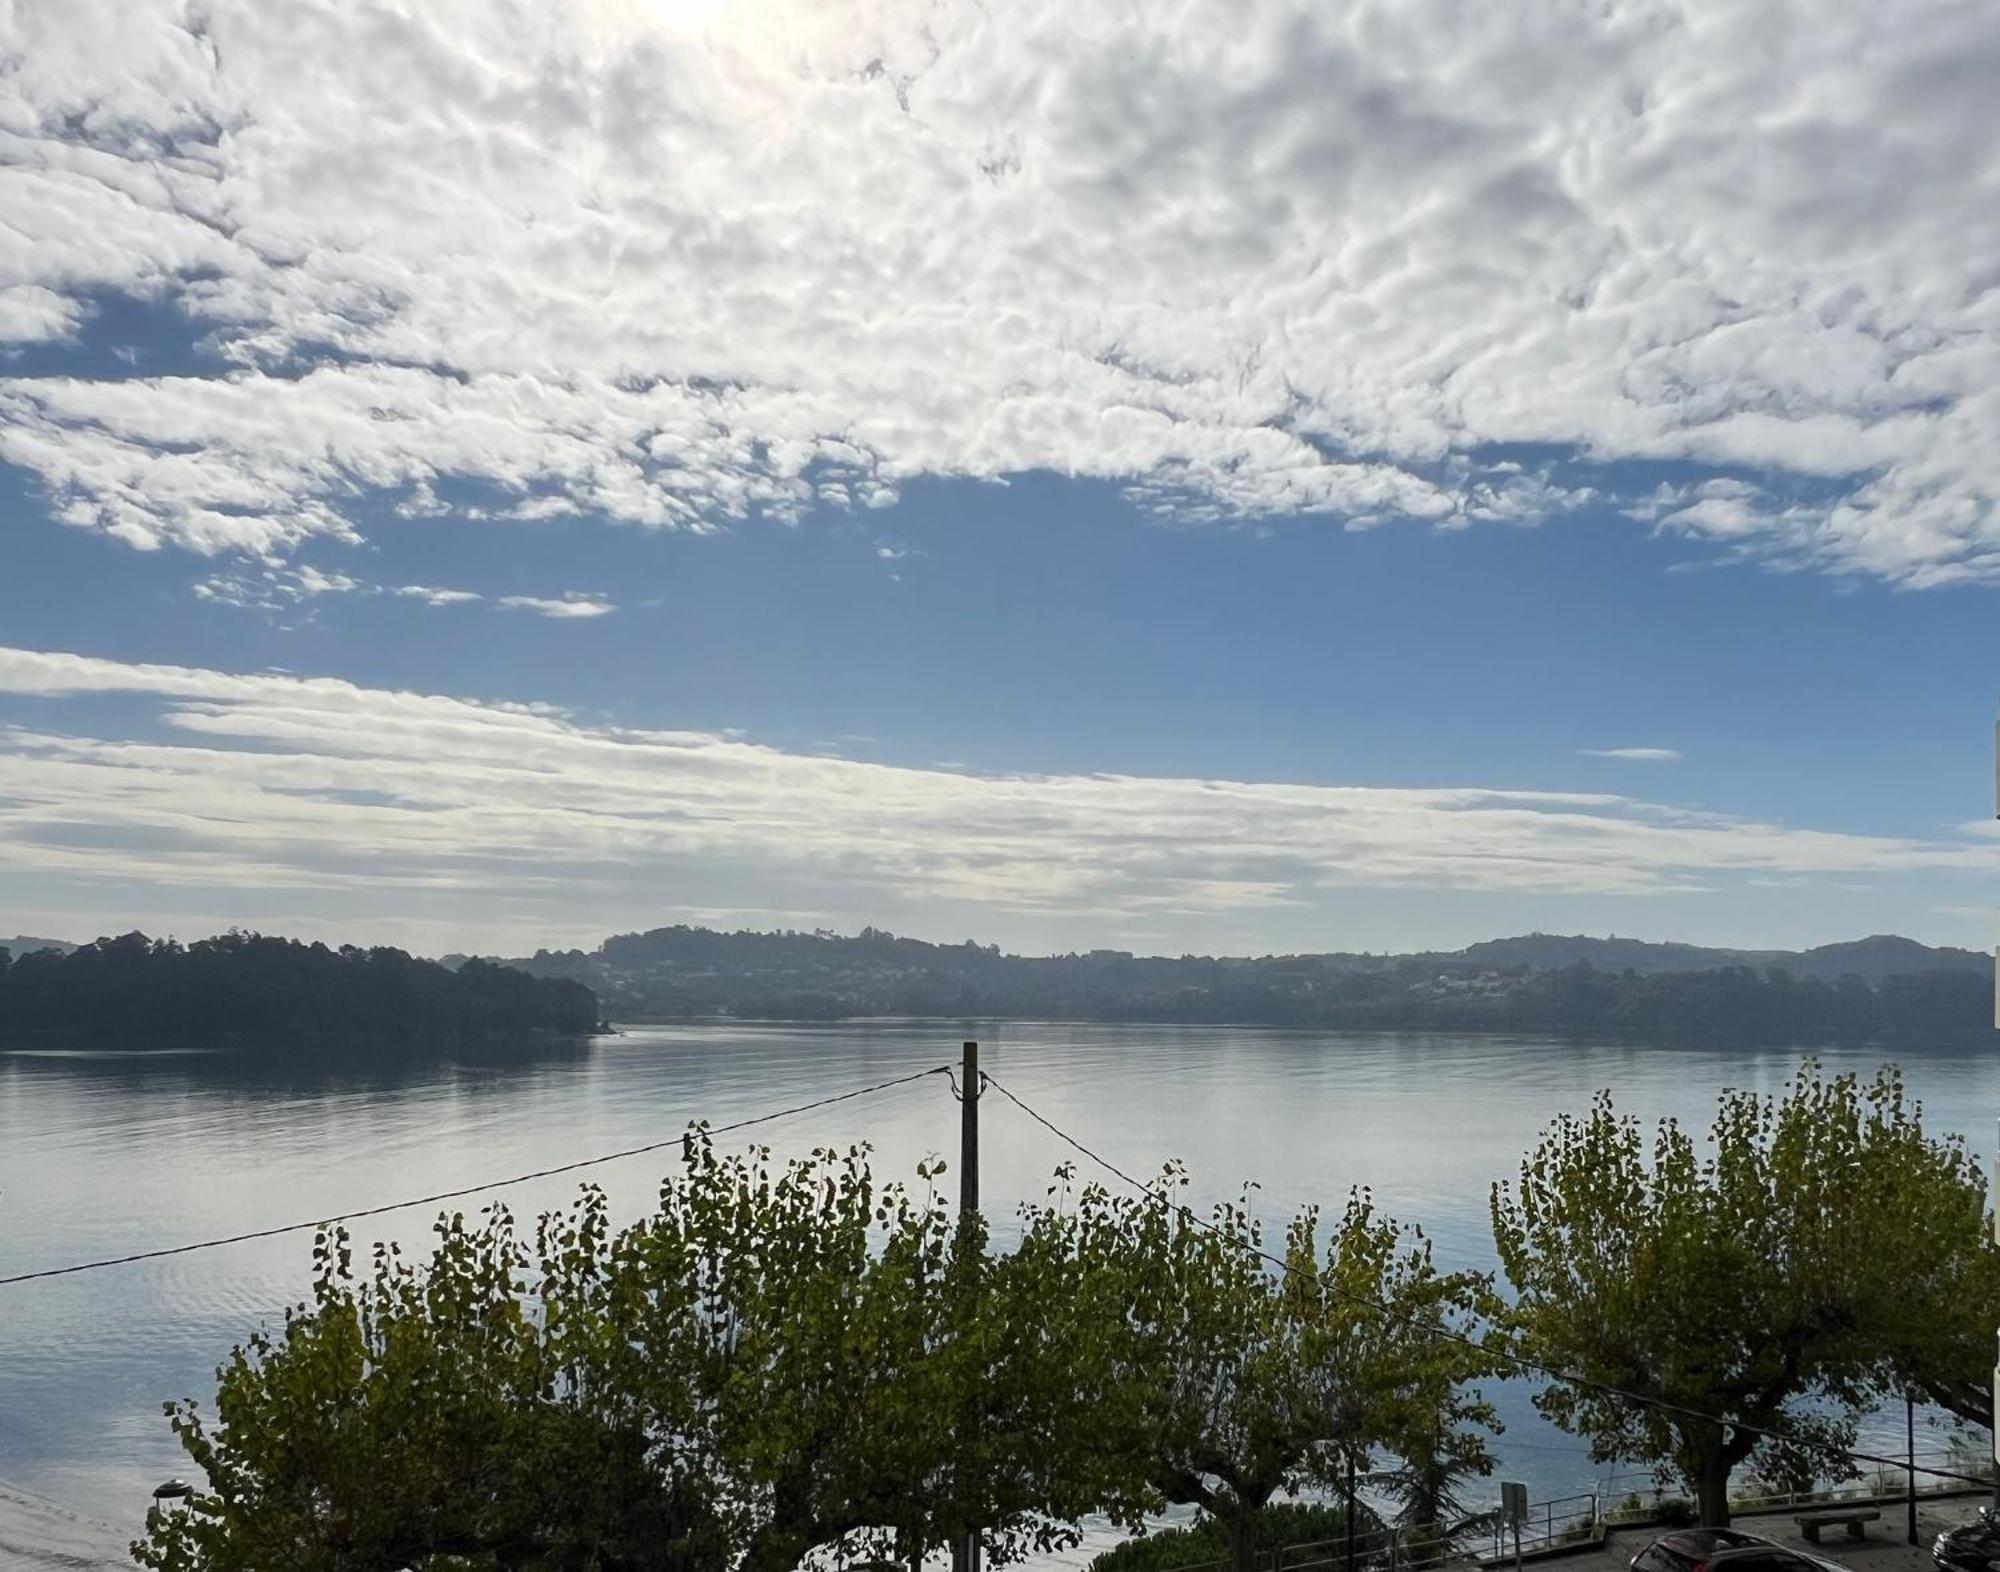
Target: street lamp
column 171, row 1491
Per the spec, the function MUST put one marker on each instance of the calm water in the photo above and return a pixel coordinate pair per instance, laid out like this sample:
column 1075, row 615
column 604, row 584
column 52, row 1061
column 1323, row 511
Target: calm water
column 102, row 1154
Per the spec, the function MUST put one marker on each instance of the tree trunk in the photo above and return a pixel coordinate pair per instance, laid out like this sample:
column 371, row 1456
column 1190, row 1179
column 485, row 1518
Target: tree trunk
column 1243, row 1539
column 1712, row 1488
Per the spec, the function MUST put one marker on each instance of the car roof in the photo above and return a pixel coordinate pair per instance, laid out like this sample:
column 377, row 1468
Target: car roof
column 1704, row 1542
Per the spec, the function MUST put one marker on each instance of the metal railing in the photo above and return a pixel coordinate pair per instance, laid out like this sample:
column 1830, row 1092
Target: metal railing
column 1561, row 1520
column 1871, row 1490
column 1376, row 1547
column 1888, row 1485
column 1391, row 1549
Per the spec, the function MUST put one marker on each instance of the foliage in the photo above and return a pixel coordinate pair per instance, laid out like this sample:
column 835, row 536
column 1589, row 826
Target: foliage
column 1205, row 1541
column 243, row 983
column 1214, row 1382
column 1950, row 1265
column 409, row 1418
column 1426, row 1483
column 774, row 1360
column 1764, row 1283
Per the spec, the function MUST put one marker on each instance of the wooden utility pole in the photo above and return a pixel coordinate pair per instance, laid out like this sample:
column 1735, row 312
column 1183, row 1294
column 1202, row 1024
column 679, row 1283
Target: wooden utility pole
column 968, row 1135
column 1349, row 1564
column 965, row 1554
column 1910, row 1419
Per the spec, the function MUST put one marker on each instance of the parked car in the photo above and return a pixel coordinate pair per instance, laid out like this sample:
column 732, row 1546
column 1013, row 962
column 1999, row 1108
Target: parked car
column 1971, row 1547
column 1732, row 1550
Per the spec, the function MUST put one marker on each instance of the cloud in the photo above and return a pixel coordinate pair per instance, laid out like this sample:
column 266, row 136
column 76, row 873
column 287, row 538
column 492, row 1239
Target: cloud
column 275, row 586
column 573, row 604
column 310, row 792
column 1645, row 755
column 430, row 595
column 672, row 266
column 30, row 314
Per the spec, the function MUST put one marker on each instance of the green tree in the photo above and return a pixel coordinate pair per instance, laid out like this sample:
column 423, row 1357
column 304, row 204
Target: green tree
column 1950, row 1362
column 1214, row 1381
column 1426, row 1483
column 1204, row 1542
column 1759, row 1287
column 774, row 1360
column 417, row 1418
column 1947, row 1263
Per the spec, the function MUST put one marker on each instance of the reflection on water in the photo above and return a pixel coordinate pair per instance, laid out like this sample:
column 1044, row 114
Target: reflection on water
column 104, row 1153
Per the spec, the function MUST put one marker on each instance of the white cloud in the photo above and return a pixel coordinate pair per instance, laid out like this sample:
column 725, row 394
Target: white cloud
column 30, row 314
column 612, row 258
column 571, row 605
column 276, row 586
column 319, row 795
column 1644, row 755
column 430, row 595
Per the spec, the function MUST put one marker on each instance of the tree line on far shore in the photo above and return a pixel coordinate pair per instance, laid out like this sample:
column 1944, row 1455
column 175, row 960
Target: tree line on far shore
column 785, row 1361
column 1883, row 989
column 245, row 985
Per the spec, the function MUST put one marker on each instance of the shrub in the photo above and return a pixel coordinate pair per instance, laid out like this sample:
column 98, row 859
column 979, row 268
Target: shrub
column 1204, row 1540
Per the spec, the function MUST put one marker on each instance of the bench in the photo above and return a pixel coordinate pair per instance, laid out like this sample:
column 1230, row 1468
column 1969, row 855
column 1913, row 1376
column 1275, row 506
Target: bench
column 1810, row 1523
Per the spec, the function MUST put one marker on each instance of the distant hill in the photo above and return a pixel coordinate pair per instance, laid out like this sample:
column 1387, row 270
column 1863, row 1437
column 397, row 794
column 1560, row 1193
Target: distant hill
column 1551, row 951
column 1872, row 959
column 1885, row 955
column 22, row 945
column 1877, row 987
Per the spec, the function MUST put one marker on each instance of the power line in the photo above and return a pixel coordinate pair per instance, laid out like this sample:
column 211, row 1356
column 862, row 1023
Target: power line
column 458, row 1194
column 1568, row 1378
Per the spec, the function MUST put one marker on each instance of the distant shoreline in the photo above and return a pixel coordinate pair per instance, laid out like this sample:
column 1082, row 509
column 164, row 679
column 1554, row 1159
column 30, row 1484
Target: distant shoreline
column 1966, row 1036
column 109, row 1039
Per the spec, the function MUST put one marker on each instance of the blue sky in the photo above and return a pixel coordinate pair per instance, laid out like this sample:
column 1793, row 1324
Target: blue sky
column 1038, row 561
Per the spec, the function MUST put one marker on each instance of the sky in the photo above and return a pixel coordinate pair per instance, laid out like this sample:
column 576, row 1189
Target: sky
column 1223, row 477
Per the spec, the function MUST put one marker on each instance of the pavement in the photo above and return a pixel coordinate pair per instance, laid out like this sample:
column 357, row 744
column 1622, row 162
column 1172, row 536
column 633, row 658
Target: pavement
column 40, row 1535
column 1886, row 1547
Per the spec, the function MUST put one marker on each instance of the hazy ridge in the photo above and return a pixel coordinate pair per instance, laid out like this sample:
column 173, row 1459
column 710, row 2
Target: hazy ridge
column 1879, row 986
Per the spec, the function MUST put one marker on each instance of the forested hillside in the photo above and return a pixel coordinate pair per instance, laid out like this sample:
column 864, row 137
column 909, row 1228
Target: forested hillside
column 247, row 985
column 1875, row 988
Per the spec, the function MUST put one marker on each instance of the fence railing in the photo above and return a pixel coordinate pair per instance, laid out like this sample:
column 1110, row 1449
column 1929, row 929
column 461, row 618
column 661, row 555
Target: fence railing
column 1549, row 1523
column 1379, row 1547
column 1888, row 1484
column 1393, row 1549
